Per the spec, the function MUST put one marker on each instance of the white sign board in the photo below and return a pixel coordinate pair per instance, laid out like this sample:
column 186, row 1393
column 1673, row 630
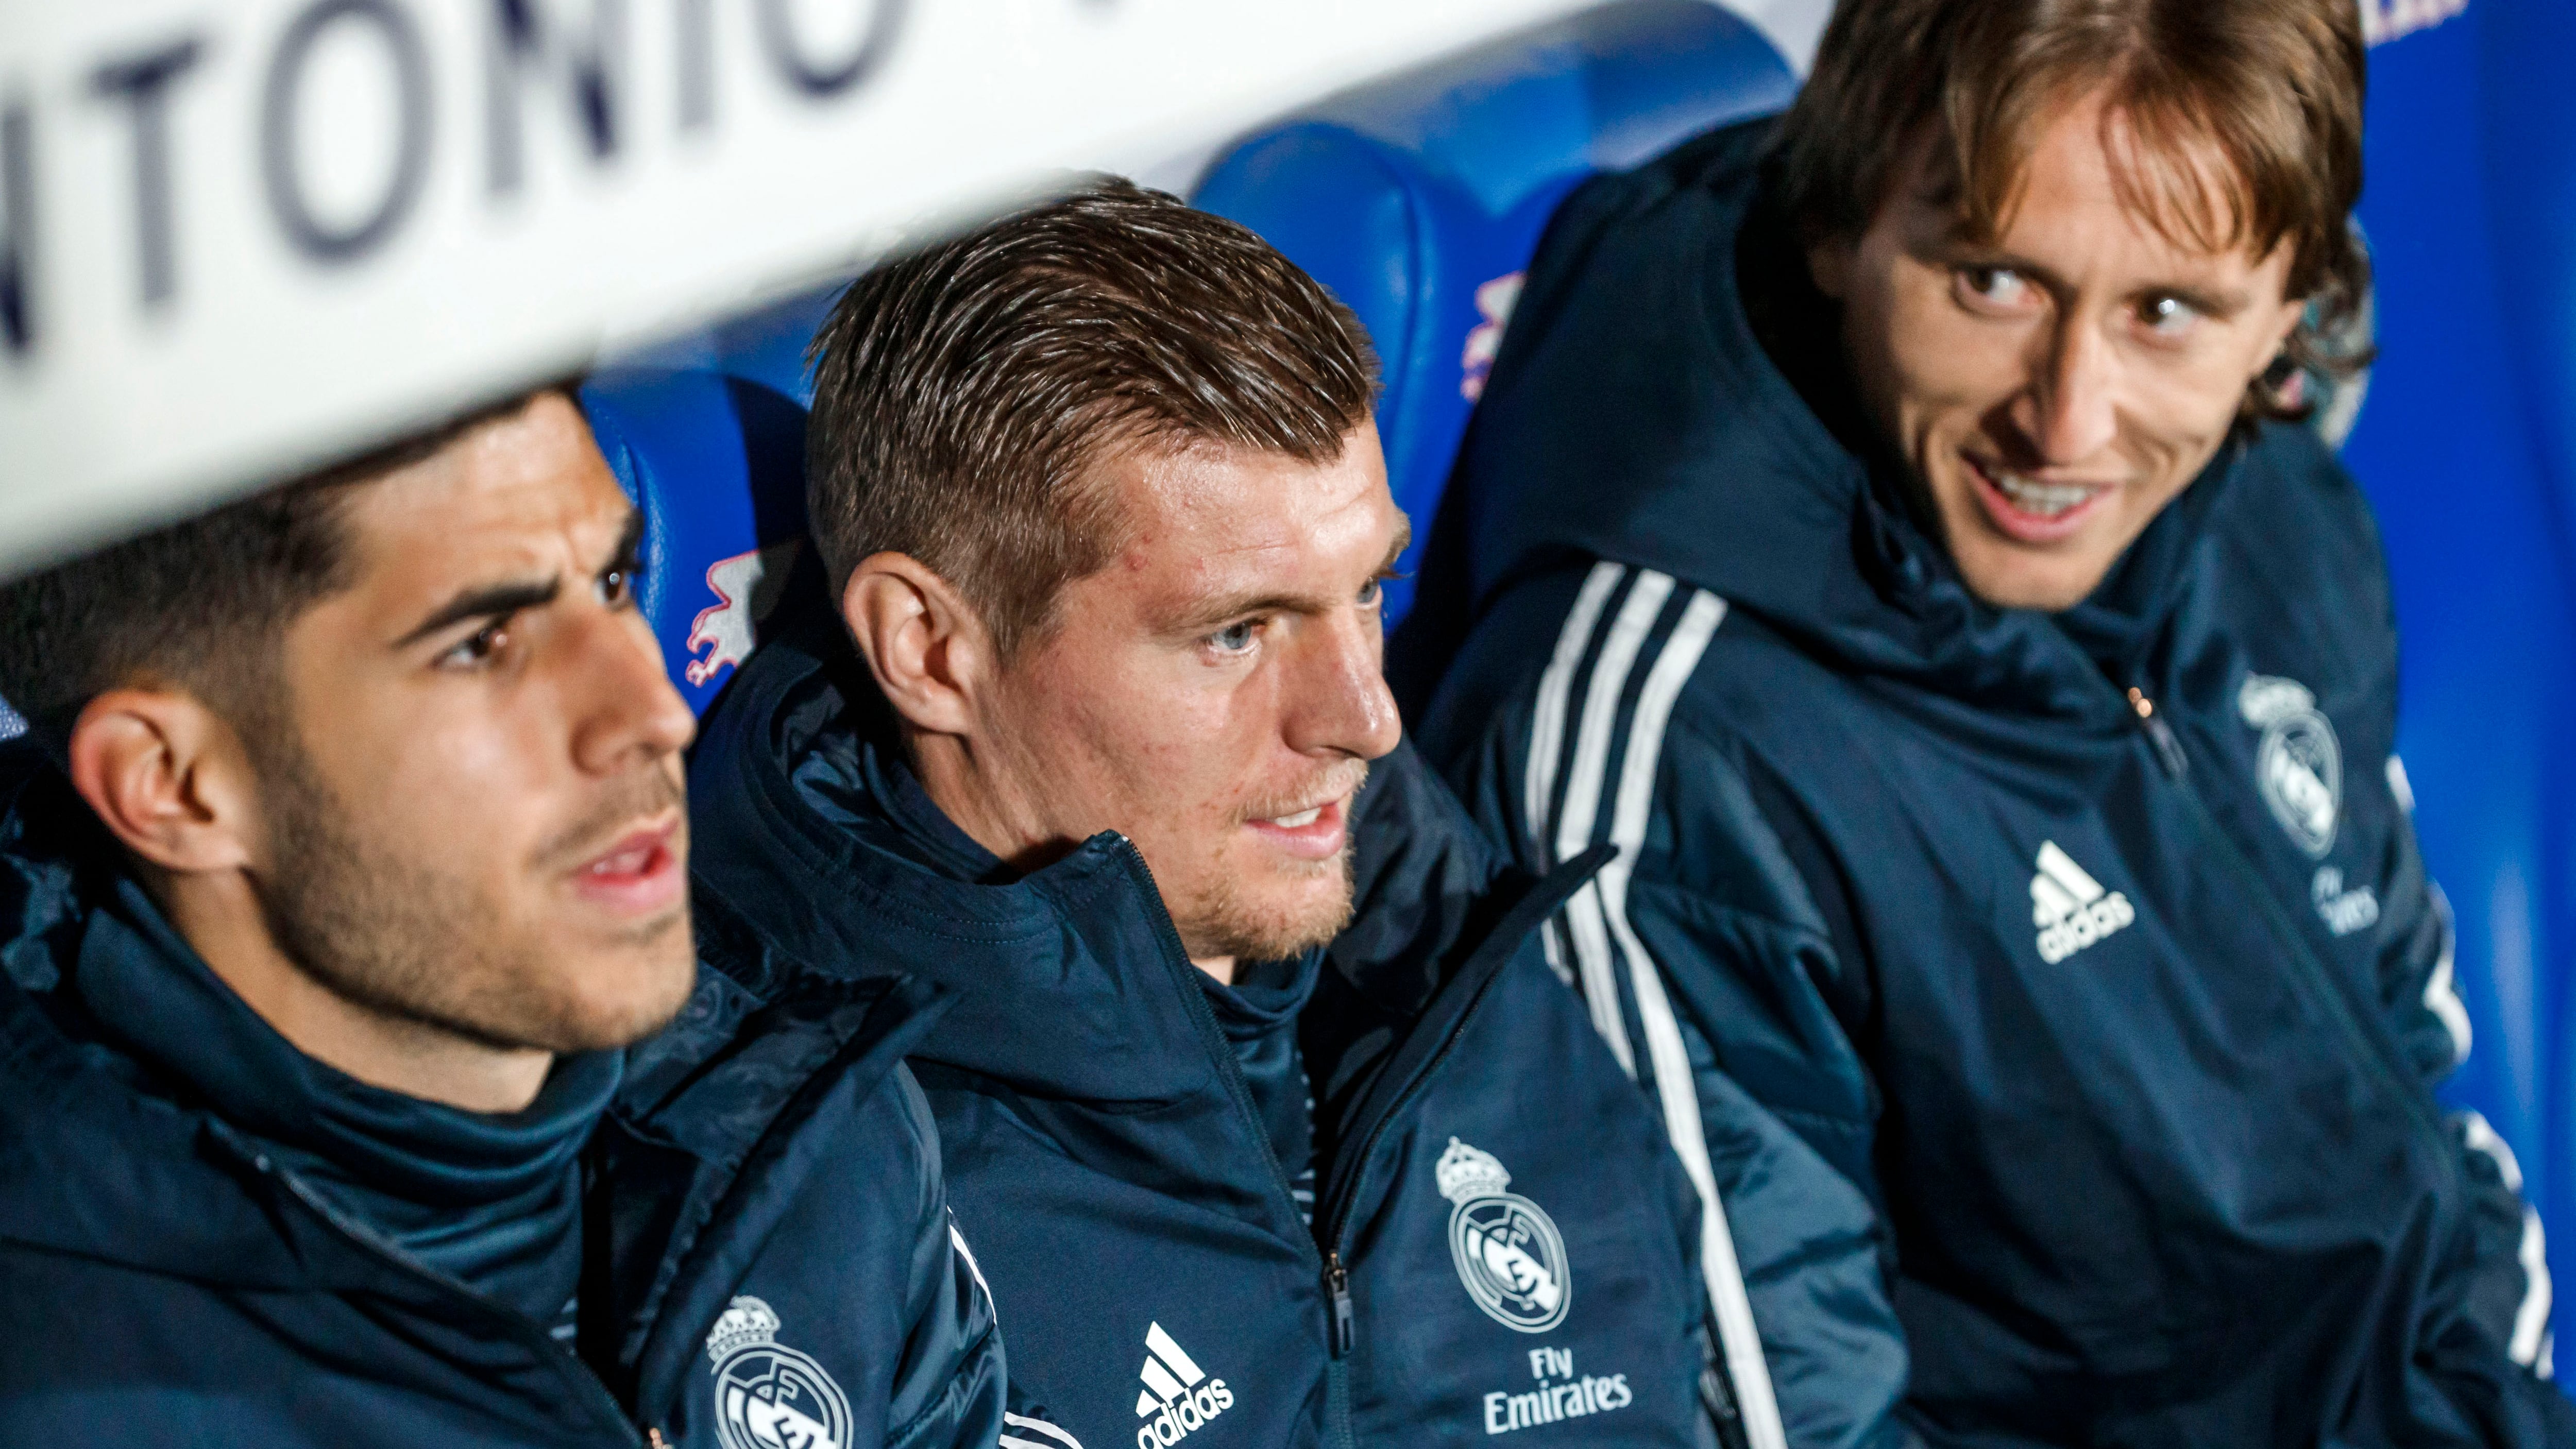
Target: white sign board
column 241, row 237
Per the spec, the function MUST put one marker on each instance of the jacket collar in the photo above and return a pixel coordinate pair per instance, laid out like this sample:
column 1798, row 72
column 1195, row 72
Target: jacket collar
column 1070, row 978
column 107, row 1157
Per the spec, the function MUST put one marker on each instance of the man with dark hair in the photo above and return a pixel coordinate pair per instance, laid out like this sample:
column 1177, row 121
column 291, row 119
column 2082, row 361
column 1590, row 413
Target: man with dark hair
column 347, row 854
column 1269, row 1121
column 1891, row 528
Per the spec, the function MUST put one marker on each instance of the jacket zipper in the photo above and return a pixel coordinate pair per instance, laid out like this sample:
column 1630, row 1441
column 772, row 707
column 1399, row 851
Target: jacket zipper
column 2169, row 751
column 1337, row 1282
column 2323, row 983
column 1334, row 1219
column 530, row 1335
column 1334, row 1211
column 1328, row 1270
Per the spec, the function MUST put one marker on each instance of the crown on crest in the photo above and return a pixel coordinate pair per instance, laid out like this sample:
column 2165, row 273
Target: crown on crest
column 2267, row 699
column 1466, row 1172
column 745, row 1321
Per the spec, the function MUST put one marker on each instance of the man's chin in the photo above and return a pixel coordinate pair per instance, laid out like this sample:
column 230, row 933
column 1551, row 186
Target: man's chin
column 2009, row 577
column 1275, row 925
column 624, row 996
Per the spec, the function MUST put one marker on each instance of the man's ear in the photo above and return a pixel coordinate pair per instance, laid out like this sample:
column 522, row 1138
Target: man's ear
column 928, row 649
column 169, row 777
column 1829, row 262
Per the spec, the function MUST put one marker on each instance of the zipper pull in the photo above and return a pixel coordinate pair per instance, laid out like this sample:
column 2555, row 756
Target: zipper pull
column 1337, row 1283
column 2169, row 752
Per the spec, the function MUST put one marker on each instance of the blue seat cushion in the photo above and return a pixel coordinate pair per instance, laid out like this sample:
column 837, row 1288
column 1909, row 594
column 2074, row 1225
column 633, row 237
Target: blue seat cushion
column 717, row 464
column 1419, row 200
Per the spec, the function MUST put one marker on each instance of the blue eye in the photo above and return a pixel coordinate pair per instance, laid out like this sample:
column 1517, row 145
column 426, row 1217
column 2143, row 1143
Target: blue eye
column 1235, row 638
column 1371, row 592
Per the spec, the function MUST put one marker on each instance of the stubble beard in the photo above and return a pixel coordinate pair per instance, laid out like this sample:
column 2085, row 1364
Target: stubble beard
column 1226, row 920
column 424, row 949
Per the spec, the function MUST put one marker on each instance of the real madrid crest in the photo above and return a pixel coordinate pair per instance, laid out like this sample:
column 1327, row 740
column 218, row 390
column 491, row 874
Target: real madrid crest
column 2298, row 766
column 1507, row 1249
column 769, row 1396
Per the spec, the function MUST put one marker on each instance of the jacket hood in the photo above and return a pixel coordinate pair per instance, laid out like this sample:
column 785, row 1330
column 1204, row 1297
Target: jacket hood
column 1632, row 380
column 808, row 821
column 104, row 1157
column 789, row 791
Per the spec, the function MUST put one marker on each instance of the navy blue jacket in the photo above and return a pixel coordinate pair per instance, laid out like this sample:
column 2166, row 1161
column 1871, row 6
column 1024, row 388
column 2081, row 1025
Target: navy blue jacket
column 2091, row 950
column 1499, row 1245
column 766, row 1212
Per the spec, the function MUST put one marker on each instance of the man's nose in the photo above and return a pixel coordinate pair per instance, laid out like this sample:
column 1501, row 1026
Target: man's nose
column 626, row 711
column 1340, row 703
column 2071, row 409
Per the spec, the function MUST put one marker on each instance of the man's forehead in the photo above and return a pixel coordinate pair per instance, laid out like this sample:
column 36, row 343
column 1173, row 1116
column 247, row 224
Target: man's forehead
column 2177, row 195
column 517, row 488
column 1206, row 503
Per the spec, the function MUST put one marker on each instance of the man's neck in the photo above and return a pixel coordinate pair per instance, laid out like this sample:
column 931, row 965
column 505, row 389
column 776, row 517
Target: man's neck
column 222, row 921
column 1000, row 820
column 977, row 801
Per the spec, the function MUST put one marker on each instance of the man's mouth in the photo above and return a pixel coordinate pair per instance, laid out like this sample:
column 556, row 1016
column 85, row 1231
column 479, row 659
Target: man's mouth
column 639, row 874
column 1314, row 833
column 2033, row 510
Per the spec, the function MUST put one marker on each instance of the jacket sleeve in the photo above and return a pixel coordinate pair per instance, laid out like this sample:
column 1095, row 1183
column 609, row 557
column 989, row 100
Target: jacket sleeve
column 951, row 1385
column 1699, row 958
column 2495, row 1296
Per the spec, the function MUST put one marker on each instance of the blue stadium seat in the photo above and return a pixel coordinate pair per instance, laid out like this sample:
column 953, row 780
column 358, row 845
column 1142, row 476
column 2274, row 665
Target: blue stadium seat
column 766, row 346
column 717, row 463
column 1419, row 200
column 2468, row 452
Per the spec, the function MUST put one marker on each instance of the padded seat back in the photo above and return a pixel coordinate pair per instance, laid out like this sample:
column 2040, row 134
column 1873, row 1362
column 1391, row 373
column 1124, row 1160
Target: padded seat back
column 1419, row 200
column 717, row 464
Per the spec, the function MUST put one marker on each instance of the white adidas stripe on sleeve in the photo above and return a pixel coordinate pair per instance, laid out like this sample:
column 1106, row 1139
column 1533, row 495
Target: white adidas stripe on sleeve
column 1547, row 724
column 958, row 1240
column 1581, row 916
column 1598, row 914
column 2531, row 1319
column 2441, row 990
column 1055, row 1436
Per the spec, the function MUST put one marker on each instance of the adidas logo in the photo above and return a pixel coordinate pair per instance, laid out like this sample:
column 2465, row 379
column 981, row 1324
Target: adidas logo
column 1178, row 1397
column 2070, row 907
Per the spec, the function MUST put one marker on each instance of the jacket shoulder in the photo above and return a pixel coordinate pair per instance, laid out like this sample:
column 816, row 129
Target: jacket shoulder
column 2301, row 575
column 1559, row 708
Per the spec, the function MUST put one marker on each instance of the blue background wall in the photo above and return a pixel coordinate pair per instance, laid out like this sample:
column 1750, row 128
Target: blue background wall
column 2465, row 447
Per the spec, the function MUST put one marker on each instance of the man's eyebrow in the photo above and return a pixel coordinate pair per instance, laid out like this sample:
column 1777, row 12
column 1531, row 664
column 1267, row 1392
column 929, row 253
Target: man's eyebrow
column 499, row 601
column 630, row 541
column 1235, row 606
column 1964, row 248
column 1403, row 541
column 491, row 601
column 2220, row 304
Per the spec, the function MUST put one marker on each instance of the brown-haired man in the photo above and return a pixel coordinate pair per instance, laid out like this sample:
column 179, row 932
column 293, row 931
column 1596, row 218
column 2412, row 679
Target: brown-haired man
column 1105, row 519
column 1889, row 527
column 345, row 863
